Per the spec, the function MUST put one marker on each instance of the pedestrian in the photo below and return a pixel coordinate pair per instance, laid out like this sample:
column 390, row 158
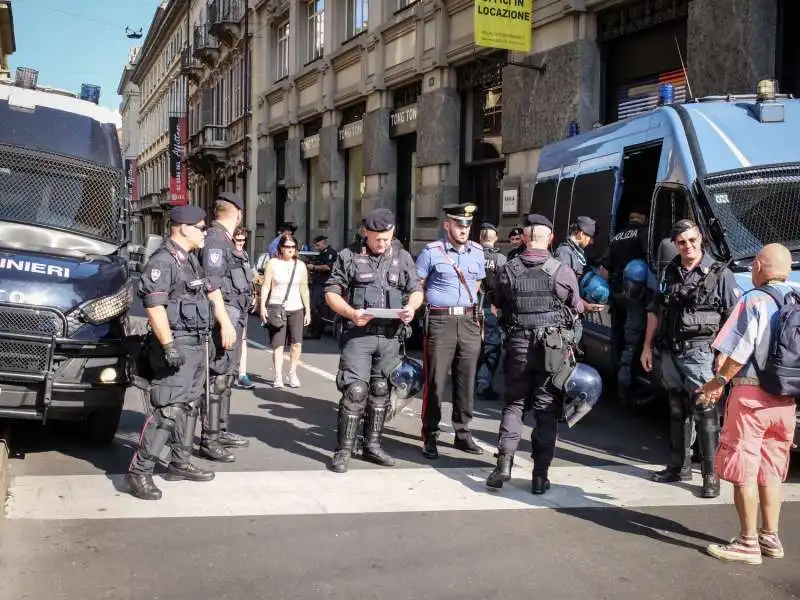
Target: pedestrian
column 572, row 252
column 452, row 269
column 229, row 270
column 627, row 315
column 176, row 298
column 243, row 380
column 517, row 243
column 492, row 347
column 538, row 296
column 379, row 276
column 759, row 426
column 284, row 229
column 285, row 309
column 697, row 295
column 319, row 270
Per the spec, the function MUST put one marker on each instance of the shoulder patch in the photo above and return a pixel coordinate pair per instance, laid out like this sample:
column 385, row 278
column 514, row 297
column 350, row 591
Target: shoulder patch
column 215, row 256
column 155, row 274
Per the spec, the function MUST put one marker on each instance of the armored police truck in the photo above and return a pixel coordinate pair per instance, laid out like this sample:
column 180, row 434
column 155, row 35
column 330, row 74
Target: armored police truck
column 730, row 163
column 64, row 288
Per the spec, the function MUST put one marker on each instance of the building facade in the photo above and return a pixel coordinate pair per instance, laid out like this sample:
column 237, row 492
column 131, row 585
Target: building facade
column 129, row 140
column 365, row 103
column 8, row 43
column 162, row 88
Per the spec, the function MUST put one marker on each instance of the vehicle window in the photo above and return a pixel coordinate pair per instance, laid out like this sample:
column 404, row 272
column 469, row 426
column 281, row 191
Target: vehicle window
column 670, row 205
column 544, row 198
column 593, row 196
column 561, row 218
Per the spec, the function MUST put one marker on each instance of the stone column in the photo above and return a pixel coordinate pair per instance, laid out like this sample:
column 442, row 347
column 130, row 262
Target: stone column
column 296, row 196
column 266, row 185
column 332, row 176
column 380, row 156
column 730, row 45
column 438, row 152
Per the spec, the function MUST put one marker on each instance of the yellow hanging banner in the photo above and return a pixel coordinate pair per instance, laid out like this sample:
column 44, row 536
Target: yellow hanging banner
column 504, row 24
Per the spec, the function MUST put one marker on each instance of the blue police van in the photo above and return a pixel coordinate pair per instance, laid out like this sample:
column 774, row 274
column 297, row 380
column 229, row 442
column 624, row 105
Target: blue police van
column 64, row 277
column 731, row 163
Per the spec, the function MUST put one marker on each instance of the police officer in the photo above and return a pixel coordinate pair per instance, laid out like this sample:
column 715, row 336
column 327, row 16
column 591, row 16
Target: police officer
column 697, row 294
column 452, row 269
column 492, row 347
column 517, row 243
column 538, row 296
column 572, row 252
column 627, row 314
column 379, row 276
column 319, row 269
column 229, row 270
column 176, row 297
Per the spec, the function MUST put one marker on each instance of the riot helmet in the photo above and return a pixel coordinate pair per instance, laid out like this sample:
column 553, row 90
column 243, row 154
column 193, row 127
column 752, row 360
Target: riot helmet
column 581, row 392
column 594, row 288
column 406, row 381
column 635, row 278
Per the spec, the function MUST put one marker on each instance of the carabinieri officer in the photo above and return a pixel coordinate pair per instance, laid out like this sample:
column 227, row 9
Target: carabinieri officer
column 452, row 269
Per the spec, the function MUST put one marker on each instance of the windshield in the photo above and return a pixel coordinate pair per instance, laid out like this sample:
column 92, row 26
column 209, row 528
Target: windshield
column 757, row 206
column 56, row 192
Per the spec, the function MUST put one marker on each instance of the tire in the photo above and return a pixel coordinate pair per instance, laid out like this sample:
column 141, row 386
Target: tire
column 101, row 425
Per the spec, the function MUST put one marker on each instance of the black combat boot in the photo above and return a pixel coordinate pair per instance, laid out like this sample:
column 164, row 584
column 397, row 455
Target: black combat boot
column 212, row 449
column 711, row 487
column 210, row 445
column 707, row 441
column 467, row 444
column 187, row 471
column 142, row 486
column 348, row 429
column 502, row 472
column 226, row 438
column 540, row 484
column 429, row 448
column 376, row 415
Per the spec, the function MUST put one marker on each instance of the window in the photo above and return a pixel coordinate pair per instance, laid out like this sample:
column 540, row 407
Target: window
column 592, row 196
column 316, row 29
column 282, row 62
column 670, row 206
column 357, row 17
column 401, row 4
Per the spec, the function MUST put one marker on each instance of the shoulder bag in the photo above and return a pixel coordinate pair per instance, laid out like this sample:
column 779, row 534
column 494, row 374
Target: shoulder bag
column 276, row 313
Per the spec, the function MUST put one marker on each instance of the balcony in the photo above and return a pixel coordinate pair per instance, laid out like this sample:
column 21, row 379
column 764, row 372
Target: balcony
column 225, row 20
column 191, row 67
column 206, row 45
column 208, row 147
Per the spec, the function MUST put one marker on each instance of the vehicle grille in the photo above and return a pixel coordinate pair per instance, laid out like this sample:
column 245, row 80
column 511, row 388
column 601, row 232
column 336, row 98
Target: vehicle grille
column 30, row 321
column 30, row 356
column 23, row 356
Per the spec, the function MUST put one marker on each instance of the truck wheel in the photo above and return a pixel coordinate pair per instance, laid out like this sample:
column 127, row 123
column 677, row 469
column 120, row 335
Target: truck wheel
column 101, row 425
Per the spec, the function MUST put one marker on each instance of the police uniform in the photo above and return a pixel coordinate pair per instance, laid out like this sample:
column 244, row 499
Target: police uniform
column 539, row 297
column 693, row 305
column 452, row 331
column 229, row 270
column 369, row 353
column 173, row 279
column 516, row 250
column 325, row 258
column 628, row 318
column 492, row 347
column 573, row 256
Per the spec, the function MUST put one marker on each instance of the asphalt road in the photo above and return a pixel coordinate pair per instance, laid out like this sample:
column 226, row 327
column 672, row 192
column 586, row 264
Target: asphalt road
column 277, row 524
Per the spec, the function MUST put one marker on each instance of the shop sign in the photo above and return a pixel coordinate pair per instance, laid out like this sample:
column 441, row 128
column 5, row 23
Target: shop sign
column 403, row 120
column 510, row 201
column 310, row 146
column 504, row 24
column 352, row 134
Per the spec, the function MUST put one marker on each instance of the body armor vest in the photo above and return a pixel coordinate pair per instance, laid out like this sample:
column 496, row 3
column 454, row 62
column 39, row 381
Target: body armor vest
column 375, row 284
column 188, row 307
column 237, row 287
column 693, row 309
column 533, row 303
column 490, row 264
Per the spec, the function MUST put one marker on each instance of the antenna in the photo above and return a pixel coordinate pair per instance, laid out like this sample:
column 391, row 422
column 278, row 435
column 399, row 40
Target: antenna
column 683, row 66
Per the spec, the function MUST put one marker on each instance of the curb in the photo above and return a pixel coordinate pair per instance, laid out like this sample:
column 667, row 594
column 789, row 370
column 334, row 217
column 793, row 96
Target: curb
column 5, row 475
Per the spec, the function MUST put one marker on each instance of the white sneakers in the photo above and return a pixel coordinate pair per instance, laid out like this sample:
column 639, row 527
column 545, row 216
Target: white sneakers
column 290, row 379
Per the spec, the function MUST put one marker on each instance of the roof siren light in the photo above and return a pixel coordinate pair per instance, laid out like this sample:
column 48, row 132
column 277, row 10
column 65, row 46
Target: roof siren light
column 767, row 90
column 666, row 94
column 767, row 110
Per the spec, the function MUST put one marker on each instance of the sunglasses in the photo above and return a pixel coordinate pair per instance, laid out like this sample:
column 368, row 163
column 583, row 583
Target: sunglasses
column 240, row 241
column 289, row 247
column 201, row 227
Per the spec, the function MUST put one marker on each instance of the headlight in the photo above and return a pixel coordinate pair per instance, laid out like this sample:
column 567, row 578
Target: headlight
column 106, row 308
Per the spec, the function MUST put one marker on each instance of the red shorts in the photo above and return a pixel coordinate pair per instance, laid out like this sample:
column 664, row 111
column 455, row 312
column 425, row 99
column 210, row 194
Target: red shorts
column 756, row 438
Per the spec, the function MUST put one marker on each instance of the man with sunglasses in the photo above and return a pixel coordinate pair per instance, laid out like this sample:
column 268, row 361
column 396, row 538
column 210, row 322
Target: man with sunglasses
column 176, row 297
column 228, row 268
column 697, row 294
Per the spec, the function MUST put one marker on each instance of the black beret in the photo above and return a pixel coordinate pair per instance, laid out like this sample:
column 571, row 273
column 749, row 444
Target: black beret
column 488, row 226
column 380, row 219
column 187, row 215
column 232, row 198
column 537, row 219
column 587, row 225
column 319, row 238
column 516, row 231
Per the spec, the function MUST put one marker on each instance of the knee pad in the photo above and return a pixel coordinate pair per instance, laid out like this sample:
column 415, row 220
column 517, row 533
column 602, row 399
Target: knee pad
column 168, row 415
column 356, row 391
column 677, row 401
column 379, row 387
column 218, row 385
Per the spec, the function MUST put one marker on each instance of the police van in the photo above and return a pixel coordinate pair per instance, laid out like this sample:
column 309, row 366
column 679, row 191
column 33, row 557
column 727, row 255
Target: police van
column 730, row 163
column 64, row 285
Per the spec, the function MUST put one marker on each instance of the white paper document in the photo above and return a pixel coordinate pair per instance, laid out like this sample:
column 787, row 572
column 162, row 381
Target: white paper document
column 383, row 313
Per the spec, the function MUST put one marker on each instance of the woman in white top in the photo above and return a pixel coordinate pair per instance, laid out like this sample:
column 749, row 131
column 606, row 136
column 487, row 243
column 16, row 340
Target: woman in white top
column 286, row 285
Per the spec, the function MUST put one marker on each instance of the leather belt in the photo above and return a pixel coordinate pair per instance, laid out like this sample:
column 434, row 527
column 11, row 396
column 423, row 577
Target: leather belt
column 452, row 310
column 745, row 381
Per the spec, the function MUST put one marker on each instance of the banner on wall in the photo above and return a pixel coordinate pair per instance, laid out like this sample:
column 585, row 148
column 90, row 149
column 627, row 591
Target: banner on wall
column 178, row 188
column 504, row 24
column 642, row 95
column 131, row 179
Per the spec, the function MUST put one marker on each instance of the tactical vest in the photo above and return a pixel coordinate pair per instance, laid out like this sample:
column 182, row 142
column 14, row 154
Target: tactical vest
column 237, row 287
column 490, row 264
column 693, row 310
column 188, row 306
column 533, row 302
column 375, row 285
